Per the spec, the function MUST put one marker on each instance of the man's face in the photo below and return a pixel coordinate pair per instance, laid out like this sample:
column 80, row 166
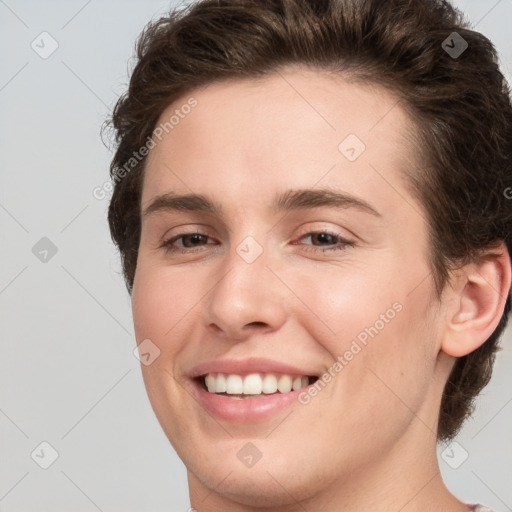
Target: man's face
column 301, row 284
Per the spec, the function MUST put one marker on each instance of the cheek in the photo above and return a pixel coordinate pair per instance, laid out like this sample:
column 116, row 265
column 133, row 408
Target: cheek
column 161, row 302
column 161, row 306
column 341, row 301
column 377, row 331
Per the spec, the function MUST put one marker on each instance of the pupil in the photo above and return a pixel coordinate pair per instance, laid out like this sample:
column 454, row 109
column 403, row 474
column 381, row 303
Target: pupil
column 194, row 239
column 324, row 237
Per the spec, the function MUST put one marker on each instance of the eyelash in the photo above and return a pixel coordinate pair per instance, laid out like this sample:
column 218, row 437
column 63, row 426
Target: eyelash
column 342, row 243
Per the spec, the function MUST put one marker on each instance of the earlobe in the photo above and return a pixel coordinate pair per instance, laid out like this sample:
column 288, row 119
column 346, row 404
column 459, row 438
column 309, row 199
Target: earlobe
column 478, row 295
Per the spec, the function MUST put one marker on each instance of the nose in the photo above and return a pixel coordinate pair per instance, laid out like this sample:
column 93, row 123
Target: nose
column 246, row 298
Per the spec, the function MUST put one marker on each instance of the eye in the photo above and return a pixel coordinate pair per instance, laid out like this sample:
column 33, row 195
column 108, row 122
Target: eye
column 190, row 241
column 322, row 240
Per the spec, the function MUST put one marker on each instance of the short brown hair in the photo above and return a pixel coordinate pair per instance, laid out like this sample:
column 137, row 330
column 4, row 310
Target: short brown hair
column 460, row 105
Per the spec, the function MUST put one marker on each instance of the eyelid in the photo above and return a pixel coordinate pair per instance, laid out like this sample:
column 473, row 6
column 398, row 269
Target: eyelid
column 335, row 231
column 342, row 244
column 226, row 230
column 204, row 230
column 186, row 229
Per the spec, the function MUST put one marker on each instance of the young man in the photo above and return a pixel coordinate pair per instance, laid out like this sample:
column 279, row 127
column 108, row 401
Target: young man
column 310, row 204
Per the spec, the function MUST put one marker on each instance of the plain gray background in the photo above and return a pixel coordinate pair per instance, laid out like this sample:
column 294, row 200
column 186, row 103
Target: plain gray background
column 68, row 376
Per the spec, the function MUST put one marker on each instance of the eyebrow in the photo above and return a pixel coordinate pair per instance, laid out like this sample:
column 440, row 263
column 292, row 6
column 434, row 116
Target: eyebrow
column 290, row 200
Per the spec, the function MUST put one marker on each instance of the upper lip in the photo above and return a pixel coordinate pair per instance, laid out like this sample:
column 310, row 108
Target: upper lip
column 246, row 366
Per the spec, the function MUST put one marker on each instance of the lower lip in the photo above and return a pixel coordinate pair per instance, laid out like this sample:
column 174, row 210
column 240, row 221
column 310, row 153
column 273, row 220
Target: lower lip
column 246, row 410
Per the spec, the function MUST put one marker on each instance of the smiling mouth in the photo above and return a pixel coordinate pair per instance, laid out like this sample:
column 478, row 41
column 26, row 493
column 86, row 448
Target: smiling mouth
column 253, row 385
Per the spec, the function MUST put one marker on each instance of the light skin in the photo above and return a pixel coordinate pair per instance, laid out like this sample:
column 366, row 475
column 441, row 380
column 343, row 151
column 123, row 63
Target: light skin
column 367, row 441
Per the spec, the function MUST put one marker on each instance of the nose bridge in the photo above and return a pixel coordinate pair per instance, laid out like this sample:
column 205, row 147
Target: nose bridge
column 246, row 292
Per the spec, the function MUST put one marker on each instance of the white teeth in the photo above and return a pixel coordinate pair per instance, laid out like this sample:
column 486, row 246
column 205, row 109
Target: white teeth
column 210, row 383
column 234, row 385
column 220, row 383
column 254, row 383
column 269, row 384
column 284, row 384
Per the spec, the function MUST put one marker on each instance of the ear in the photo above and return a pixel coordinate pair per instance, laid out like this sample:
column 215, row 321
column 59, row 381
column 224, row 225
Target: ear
column 476, row 302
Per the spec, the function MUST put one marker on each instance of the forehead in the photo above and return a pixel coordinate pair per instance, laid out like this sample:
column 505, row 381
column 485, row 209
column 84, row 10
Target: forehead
column 247, row 138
